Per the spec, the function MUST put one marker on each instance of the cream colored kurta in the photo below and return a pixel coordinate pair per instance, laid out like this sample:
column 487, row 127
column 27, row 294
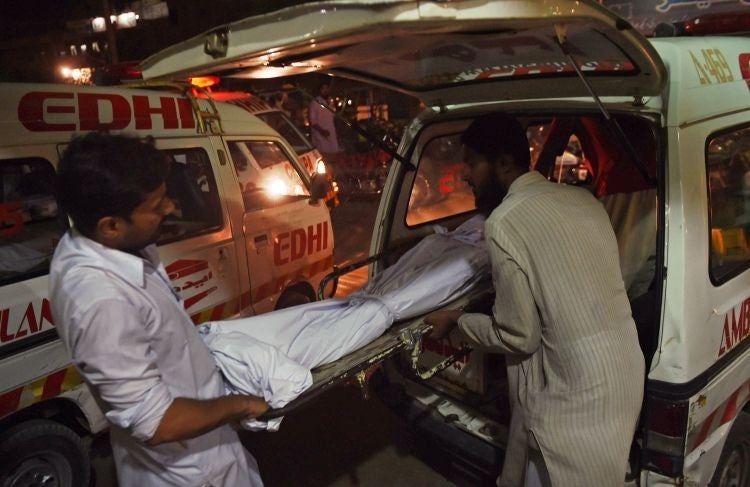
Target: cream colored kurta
column 562, row 317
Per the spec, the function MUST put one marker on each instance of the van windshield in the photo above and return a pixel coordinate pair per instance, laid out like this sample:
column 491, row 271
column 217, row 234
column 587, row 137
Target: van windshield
column 265, row 174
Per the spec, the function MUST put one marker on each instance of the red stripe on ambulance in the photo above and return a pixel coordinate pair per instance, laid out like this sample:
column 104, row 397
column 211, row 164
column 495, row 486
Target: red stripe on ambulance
column 723, row 414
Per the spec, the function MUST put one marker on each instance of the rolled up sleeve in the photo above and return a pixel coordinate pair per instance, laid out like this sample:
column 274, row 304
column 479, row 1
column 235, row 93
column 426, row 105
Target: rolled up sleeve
column 111, row 349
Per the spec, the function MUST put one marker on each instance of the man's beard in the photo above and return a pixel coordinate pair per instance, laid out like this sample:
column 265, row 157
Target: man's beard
column 488, row 195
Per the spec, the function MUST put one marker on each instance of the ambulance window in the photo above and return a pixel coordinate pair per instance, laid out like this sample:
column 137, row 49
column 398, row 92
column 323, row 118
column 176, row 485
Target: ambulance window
column 439, row 188
column 280, row 123
column 192, row 188
column 30, row 222
column 728, row 169
column 265, row 174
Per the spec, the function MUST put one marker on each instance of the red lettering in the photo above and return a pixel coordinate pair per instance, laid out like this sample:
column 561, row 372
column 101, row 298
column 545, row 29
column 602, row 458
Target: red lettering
column 4, row 337
column 447, row 184
column 46, row 315
column 142, row 111
column 186, row 113
column 280, row 244
column 31, row 111
column 299, row 246
column 90, row 115
column 726, row 338
column 29, row 319
column 737, row 325
column 316, row 235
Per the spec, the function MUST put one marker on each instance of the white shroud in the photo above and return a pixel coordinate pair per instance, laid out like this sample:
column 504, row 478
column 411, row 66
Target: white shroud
column 270, row 355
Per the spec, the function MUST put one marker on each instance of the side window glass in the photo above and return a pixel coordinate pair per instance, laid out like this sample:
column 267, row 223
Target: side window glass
column 728, row 161
column 439, row 189
column 30, row 222
column 192, row 188
column 280, row 123
column 265, row 174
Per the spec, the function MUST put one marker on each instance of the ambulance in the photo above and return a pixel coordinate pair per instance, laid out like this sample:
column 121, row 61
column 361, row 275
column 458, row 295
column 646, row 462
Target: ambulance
column 250, row 233
column 309, row 156
column 663, row 126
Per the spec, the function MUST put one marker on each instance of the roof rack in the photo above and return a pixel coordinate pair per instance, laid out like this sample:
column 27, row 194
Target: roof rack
column 207, row 120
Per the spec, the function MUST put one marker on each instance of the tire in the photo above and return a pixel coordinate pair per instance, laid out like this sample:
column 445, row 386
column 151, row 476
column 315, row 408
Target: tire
column 292, row 298
column 41, row 453
column 733, row 469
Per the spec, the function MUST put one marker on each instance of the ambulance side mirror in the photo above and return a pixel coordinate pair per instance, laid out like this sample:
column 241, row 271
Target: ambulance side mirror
column 319, row 187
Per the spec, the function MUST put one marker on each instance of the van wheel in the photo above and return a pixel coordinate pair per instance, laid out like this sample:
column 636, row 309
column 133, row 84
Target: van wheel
column 292, row 298
column 41, row 453
column 733, row 469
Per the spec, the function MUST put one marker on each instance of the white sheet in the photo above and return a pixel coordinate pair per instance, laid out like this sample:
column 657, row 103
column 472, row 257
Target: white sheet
column 260, row 355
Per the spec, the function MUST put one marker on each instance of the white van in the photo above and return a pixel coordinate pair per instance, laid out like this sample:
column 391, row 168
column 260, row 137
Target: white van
column 664, row 129
column 249, row 235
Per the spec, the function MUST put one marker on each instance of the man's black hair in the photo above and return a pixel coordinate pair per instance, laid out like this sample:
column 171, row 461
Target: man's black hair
column 496, row 134
column 107, row 175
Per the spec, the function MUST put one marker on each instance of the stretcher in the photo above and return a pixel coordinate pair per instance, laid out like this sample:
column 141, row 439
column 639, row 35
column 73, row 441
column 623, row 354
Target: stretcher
column 357, row 367
column 292, row 355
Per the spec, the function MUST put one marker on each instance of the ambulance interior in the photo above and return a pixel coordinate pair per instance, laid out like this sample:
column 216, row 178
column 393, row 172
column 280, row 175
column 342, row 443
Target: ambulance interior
column 30, row 221
column 585, row 150
column 438, row 194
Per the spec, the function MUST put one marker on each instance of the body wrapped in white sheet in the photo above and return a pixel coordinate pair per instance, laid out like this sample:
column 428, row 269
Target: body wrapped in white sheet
column 270, row 355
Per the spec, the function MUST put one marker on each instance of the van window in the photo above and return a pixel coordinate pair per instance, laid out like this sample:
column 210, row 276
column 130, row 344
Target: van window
column 439, row 188
column 266, row 174
column 280, row 123
column 30, row 222
column 728, row 169
column 192, row 188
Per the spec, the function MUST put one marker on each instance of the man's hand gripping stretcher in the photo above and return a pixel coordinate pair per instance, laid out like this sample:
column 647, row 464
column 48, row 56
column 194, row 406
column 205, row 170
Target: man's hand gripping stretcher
column 272, row 355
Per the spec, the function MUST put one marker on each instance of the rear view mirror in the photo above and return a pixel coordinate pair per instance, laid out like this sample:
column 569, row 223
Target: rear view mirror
column 319, row 187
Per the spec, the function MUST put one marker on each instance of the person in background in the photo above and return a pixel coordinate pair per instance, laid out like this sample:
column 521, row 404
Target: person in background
column 127, row 331
column 322, row 123
column 561, row 316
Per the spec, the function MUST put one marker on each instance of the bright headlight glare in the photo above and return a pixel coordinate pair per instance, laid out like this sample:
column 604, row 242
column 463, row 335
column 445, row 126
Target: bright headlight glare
column 320, row 167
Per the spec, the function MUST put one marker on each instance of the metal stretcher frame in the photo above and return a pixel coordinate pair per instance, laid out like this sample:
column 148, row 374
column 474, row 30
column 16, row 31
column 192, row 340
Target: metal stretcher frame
column 404, row 336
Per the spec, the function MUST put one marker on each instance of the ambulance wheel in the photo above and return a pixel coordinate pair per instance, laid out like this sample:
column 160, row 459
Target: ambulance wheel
column 41, row 453
column 292, row 297
column 733, row 469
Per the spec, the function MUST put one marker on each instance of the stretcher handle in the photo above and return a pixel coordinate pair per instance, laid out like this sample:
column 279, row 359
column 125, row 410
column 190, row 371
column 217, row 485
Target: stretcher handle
column 339, row 271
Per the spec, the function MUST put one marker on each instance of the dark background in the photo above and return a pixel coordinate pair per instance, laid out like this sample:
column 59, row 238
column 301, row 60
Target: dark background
column 36, row 35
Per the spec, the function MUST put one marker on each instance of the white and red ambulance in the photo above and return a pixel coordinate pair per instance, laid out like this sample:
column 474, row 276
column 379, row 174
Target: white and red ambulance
column 249, row 235
column 664, row 130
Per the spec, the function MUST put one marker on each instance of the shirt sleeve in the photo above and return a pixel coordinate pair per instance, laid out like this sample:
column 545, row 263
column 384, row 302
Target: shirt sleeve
column 515, row 326
column 111, row 349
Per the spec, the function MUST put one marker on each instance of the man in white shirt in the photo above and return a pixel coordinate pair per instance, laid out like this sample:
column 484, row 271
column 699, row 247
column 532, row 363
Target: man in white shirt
column 561, row 316
column 322, row 123
column 127, row 331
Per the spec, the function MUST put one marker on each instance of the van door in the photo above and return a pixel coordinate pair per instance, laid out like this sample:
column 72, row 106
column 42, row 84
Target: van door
column 30, row 227
column 196, row 245
column 289, row 239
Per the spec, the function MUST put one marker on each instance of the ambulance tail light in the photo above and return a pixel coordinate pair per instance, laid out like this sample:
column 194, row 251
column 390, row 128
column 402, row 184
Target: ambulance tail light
column 708, row 24
column 665, row 432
